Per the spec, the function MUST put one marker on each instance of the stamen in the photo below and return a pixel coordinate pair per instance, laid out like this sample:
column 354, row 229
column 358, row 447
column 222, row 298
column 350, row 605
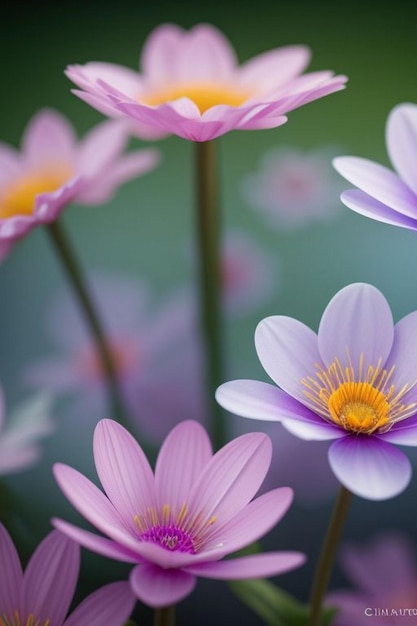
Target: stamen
column 204, row 95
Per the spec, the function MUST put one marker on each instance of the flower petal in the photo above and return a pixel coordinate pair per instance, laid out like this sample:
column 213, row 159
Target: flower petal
column 309, row 431
column 288, row 351
column 232, row 477
column 158, row 587
column 403, row 356
column 379, row 182
column 101, row 147
column 123, row 469
column 401, row 137
column 255, row 566
column 50, row 578
column 356, row 323
column 182, row 457
column 11, row 576
column 363, row 204
column 369, row 467
column 403, row 433
column 110, row 605
column 49, row 138
column 274, row 68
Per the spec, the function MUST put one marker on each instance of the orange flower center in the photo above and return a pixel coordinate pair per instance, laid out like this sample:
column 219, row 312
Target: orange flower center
column 19, row 196
column 204, row 95
column 361, row 401
column 15, row 620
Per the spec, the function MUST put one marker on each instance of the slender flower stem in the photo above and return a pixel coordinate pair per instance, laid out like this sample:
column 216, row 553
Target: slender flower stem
column 328, row 552
column 210, row 277
column 165, row 616
column 66, row 254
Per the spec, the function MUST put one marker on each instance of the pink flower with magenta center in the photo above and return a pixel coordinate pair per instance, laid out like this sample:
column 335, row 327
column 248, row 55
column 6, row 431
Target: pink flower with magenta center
column 191, row 85
column 179, row 522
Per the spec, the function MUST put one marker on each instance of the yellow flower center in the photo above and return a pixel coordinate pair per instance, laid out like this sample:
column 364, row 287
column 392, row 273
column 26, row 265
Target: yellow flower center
column 204, row 95
column 15, row 620
column 360, row 401
column 19, row 197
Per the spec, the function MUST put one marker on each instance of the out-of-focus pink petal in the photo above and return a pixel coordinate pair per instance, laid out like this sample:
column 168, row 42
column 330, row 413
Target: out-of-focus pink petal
column 363, row 204
column 232, row 477
column 101, row 545
column 101, row 147
column 111, row 605
column 124, row 470
column 182, row 457
column 10, row 165
column 401, row 138
column 158, row 588
column 369, row 467
column 49, row 138
column 158, row 54
column 50, row 578
column 256, row 566
column 10, row 574
column 357, row 323
column 274, row 68
column 288, row 352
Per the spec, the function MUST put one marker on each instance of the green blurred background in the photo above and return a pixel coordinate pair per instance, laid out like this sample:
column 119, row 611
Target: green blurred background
column 144, row 229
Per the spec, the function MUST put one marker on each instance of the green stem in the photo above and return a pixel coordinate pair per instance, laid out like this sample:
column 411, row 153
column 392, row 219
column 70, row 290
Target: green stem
column 208, row 216
column 327, row 556
column 74, row 273
column 165, row 616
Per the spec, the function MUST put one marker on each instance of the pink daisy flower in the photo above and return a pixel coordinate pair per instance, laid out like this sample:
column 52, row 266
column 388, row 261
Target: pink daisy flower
column 191, row 85
column 42, row 595
column 180, row 522
column 54, row 169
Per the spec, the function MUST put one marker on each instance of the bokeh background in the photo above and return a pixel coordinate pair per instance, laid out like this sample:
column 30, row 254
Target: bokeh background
column 146, row 230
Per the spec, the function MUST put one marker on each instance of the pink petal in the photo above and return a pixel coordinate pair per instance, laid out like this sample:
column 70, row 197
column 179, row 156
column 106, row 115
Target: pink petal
column 356, row 323
column 122, row 78
column 158, row 54
column 49, row 138
column 288, row 352
column 378, row 182
column 123, row 469
column 50, row 578
column 205, row 55
column 10, row 164
column 101, row 147
column 111, row 605
column 158, row 588
column 369, row 467
column 232, row 477
column 95, row 543
column 11, row 576
column 256, row 566
column 182, row 457
column 274, row 68
column 401, row 136
column 363, row 204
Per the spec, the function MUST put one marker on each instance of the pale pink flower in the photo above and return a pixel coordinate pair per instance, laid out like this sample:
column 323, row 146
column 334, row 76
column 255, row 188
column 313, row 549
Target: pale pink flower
column 384, row 573
column 20, row 434
column 54, row 169
column 180, row 522
column 191, row 85
column 293, row 188
column 42, row 595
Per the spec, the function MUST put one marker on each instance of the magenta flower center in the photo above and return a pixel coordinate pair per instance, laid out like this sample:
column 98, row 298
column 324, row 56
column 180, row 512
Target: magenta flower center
column 205, row 95
column 15, row 620
column 360, row 400
column 18, row 198
column 177, row 532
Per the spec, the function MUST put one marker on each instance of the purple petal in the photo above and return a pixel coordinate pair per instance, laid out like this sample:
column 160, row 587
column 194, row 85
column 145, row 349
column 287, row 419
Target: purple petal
column 369, row 207
column 232, row 477
column 182, row 457
column 403, row 433
column 403, row 356
column 357, row 323
column 323, row 431
column 378, row 182
column 262, row 401
column 110, row 605
column 123, row 469
column 369, row 467
column 288, row 351
column 256, row 566
column 95, row 543
column 11, row 576
column 49, row 138
column 158, row 588
column 401, row 137
column 50, row 578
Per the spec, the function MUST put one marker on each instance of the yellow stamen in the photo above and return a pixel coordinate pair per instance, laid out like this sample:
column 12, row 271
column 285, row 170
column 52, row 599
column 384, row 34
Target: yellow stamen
column 19, row 197
column 16, row 621
column 362, row 401
column 204, row 95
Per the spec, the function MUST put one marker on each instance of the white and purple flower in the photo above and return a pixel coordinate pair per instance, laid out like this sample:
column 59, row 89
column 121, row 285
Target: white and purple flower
column 355, row 382
column 180, row 522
